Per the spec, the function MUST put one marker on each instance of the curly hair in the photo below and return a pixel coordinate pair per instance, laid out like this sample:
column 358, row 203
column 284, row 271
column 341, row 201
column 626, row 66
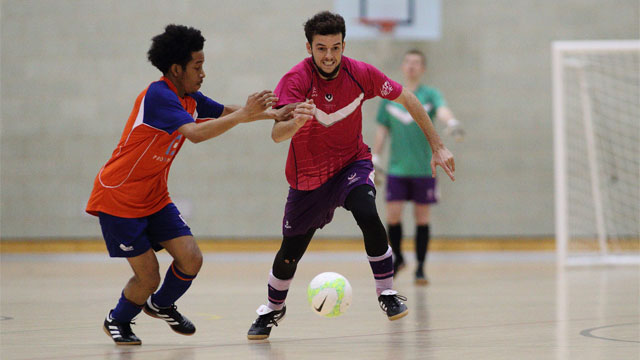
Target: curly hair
column 324, row 23
column 174, row 46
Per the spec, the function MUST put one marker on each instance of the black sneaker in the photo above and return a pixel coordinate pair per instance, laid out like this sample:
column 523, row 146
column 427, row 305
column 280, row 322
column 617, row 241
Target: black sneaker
column 390, row 303
column 261, row 327
column 420, row 278
column 398, row 264
column 120, row 333
column 178, row 323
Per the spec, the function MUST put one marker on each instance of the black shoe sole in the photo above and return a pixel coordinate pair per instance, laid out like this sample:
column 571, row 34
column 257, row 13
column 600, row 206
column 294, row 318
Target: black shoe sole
column 106, row 331
column 153, row 315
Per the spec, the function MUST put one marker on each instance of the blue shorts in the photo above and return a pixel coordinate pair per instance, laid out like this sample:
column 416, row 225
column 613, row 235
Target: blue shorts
column 421, row 190
column 313, row 209
column 129, row 237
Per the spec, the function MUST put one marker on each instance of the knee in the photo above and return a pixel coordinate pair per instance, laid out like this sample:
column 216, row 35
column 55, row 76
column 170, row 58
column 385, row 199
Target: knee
column 366, row 215
column 192, row 263
column 149, row 281
column 284, row 267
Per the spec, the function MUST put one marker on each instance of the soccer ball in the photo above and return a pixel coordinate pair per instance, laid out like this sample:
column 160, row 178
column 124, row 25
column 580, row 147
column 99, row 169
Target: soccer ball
column 329, row 294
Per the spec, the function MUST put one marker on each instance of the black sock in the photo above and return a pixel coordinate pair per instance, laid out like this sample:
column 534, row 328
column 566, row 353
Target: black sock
column 395, row 239
column 422, row 243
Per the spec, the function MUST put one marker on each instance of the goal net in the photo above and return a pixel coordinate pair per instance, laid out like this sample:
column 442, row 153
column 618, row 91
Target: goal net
column 596, row 110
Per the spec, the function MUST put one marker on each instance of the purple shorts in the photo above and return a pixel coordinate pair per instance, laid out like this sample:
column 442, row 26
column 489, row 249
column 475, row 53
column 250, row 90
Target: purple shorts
column 421, row 190
column 129, row 237
column 306, row 210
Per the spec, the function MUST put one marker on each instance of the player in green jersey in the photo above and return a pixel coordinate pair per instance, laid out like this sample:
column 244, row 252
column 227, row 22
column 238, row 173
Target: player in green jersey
column 409, row 176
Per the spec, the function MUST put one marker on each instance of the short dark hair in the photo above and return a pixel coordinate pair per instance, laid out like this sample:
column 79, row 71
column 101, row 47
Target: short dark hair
column 419, row 53
column 174, row 46
column 324, row 23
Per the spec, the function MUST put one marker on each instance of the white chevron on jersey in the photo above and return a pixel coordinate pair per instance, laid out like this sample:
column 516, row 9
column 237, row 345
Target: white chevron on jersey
column 330, row 119
column 402, row 115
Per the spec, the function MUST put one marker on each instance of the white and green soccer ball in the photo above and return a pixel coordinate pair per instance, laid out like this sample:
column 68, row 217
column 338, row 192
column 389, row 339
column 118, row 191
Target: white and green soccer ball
column 329, row 294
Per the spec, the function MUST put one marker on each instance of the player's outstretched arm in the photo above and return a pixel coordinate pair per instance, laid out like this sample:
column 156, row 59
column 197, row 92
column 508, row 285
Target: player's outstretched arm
column 283, row 130
column 253, row 110
column 441, row 155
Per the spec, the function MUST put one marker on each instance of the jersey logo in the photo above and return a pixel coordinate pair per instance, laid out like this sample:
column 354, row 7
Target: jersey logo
column 330, row 119
column 386, row 89
column 314, row 92
column 171, row 149
column 328, row 97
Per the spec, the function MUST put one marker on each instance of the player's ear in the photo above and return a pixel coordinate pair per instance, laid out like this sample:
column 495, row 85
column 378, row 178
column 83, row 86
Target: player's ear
column 175, row 70
column 309, row 48
column 343, row 45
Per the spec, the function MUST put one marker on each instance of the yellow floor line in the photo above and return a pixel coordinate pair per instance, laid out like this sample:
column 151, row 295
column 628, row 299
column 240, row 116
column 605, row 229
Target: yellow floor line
column 11, row 246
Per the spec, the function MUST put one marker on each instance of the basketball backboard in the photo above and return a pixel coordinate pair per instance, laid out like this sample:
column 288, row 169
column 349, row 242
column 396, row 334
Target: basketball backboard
column 399, row 19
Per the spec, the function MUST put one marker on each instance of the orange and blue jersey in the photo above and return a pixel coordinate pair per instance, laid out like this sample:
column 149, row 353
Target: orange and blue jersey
column 133, row 183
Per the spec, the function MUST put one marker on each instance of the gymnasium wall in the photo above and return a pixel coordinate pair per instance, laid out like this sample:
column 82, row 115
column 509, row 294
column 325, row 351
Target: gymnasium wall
column 71, row 70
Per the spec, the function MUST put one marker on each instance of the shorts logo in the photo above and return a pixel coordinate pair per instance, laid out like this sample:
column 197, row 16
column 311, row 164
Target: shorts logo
column 126, row 248
column 386, row 89
column 328, row 97
column 372, row 194
column 352, row 178
column 286, row 225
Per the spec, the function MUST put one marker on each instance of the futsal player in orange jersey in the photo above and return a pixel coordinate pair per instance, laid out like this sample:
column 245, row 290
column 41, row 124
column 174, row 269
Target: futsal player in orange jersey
column 130, row 194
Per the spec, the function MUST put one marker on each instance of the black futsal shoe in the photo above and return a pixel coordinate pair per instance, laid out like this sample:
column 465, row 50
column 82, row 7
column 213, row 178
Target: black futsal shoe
column 267, row 318
column 420, row 279
column 178, row 323
column 120, row 333
column 391, row 304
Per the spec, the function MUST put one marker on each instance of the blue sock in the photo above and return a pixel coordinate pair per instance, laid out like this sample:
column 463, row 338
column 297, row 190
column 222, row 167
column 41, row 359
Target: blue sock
column 125, row 311
column 175, row 284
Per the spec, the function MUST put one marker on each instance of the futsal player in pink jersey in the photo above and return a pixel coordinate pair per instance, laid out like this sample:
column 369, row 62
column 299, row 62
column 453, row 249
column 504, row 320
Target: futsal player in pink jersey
column 130, row 195
column 329, row 165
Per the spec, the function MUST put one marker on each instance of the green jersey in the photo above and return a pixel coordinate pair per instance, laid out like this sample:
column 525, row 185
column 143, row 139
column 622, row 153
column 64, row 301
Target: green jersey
column 410, row 153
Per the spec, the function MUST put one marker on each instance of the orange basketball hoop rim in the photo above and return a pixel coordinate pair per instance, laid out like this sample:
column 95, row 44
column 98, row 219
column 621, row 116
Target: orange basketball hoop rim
column 383, row 25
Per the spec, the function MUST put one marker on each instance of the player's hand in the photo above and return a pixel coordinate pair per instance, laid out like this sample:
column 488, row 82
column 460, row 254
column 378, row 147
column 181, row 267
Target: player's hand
column 455, row 130
column 378, row 175
column 443, row 158
column 284, row 113
column 304, row 112
column 257, row 103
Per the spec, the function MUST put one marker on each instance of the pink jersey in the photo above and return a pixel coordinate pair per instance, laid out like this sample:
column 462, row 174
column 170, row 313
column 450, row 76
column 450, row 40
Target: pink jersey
column 333, row 138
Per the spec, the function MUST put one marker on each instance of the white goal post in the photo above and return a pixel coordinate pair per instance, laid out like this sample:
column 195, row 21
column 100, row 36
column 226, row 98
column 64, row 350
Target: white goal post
column 596, row 117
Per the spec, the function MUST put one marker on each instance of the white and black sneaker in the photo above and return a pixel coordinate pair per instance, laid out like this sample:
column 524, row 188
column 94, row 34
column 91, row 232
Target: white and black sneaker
column 176, row 321
column 119, row 332
column 391, row 304
column 267, row 318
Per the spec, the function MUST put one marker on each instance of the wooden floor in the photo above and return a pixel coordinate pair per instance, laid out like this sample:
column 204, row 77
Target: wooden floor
column 479, row 305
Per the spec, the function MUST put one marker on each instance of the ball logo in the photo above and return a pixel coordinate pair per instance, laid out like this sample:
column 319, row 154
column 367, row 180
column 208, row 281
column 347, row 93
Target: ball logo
column 386, row 89
column 328, row 97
